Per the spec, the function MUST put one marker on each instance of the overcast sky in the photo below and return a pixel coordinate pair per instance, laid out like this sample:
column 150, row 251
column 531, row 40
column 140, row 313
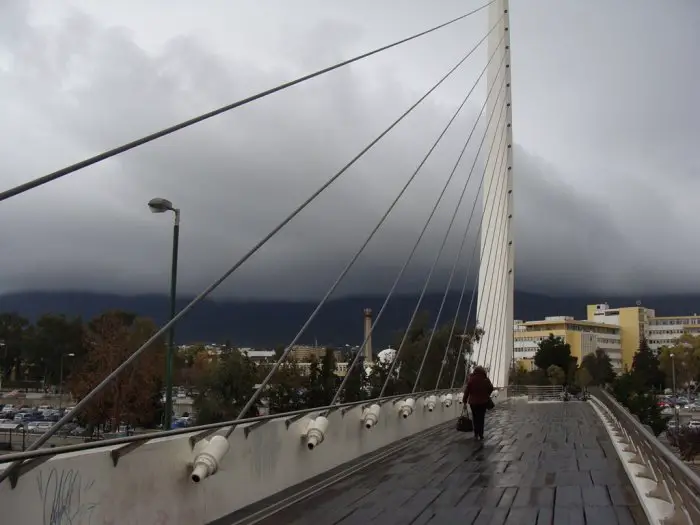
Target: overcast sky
column 604, row 118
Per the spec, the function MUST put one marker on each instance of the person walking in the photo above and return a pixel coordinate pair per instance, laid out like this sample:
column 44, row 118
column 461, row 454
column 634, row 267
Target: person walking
column 478, row 396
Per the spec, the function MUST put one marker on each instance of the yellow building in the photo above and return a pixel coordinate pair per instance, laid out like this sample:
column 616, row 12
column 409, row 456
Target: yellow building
column 632, row 322
column 584, row 337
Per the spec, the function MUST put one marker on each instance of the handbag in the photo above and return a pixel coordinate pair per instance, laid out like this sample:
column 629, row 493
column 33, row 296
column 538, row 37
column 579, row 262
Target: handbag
column 464, row 422
column 490, row 404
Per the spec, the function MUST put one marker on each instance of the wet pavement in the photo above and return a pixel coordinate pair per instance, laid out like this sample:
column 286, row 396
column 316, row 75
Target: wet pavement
column 543, row 464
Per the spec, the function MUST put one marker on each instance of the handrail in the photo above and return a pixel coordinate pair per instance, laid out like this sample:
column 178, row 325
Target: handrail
column 675, row 485
column 44, row 452
column 659, row 447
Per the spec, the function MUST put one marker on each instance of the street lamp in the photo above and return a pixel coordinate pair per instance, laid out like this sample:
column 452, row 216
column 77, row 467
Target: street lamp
column 60, row 380
column 159, row 205
column 676, row 409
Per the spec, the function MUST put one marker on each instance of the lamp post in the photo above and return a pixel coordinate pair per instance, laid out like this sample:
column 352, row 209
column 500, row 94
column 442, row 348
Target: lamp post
column 676, row 409
column 60, row 380
column 159, row 205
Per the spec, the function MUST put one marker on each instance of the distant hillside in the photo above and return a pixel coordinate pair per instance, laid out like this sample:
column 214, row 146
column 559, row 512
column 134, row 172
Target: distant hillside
column 269, row 323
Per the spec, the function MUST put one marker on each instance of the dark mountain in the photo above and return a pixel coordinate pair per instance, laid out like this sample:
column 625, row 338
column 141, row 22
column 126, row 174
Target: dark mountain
column 270, row 323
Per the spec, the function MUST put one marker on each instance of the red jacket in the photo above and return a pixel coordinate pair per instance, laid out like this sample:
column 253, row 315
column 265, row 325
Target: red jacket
column 479, row 388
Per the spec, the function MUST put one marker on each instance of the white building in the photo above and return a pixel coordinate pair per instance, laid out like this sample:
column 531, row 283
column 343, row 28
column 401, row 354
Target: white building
column 665, row 331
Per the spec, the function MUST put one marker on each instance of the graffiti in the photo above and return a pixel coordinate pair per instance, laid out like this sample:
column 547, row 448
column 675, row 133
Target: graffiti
column 63, row 498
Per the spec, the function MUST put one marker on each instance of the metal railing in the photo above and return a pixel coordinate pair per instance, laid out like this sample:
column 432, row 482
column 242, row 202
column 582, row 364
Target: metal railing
column 536, row 392
column 201, row 431
column 674, row 482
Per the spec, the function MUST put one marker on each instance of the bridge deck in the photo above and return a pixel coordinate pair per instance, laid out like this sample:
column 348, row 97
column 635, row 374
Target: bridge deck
column 549, row 463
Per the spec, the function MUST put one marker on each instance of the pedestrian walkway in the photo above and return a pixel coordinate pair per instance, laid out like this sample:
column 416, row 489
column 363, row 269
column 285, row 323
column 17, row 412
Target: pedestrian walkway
column 541, row 464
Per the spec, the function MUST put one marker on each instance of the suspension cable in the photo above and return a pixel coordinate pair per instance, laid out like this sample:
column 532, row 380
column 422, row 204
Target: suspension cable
column 420, row 236
column 459, row 306
column 500, row 327
column 494, row 241
column 474, row 288
column 464, row 238
column 503, row 277
column 482, row 342
column 466, row 277
column 40, row 181
column 352, row 261
column 83, row 402
column 471, row 260
column 425, row 287
column 493, row 305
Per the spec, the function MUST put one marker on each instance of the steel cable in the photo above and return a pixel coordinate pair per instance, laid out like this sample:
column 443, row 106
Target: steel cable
column 421, row 296
column 40, row 181
column 416, row 244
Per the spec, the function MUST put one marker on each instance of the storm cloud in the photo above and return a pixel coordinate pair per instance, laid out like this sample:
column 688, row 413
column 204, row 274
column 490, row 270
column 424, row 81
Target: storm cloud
column 604, row 124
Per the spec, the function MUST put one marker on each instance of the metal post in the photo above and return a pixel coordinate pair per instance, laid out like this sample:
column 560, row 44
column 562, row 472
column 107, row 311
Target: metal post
column 676, row 409
column 167, row 419
column 60, row 384
column 60, row 380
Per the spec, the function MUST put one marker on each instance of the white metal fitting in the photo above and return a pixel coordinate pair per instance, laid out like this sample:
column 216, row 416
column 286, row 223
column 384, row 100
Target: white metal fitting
column 208, row 459
column 430, row 403
column 316, row 432
column 370, row 416
column 460, row 398
column 447, row 400
column 406, row 407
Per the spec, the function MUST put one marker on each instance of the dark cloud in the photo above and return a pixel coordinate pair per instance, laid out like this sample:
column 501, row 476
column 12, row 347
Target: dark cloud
column 602, row 212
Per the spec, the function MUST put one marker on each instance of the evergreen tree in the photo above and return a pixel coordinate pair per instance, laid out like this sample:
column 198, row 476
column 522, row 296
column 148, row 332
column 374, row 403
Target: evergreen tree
column 599, row 366
column 328, row 377
column 354, row 386
column 646, row 372
column 314, row 389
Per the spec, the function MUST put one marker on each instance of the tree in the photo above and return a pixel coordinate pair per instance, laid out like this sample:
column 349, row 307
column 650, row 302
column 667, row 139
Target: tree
column 378, row 376
column 53, row 338
column 110, row 339
column 583, row 377
column 686, row 357
column 355, row 386
column 599, row 366
column 556, row 375
column 441, row 347
column 286, row 389
column 645, row 368
column 641, row 403
column 225, row 387
column 645, row 406
column 14, row 331
column 189, row 366
column 553, row 351
column 328, row 378
column 314, row 388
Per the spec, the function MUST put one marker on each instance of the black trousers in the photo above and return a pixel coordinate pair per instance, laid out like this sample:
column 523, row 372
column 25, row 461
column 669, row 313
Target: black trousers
column 478, row 415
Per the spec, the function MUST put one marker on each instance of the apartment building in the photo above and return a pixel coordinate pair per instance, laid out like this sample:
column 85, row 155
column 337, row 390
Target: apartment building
column 665, row 331
column 584, row 337
column 632, row 322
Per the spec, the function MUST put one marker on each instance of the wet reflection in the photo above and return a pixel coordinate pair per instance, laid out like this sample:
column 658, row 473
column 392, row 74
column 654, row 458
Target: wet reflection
column 540, row 463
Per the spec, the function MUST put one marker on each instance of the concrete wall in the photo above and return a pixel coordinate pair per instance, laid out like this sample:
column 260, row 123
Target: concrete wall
column 151, row 484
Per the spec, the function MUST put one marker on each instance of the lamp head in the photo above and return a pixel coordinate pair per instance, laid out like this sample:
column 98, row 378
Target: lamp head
column 159, row 205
